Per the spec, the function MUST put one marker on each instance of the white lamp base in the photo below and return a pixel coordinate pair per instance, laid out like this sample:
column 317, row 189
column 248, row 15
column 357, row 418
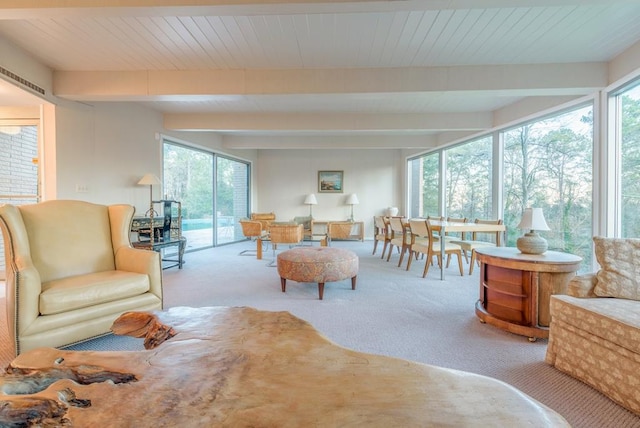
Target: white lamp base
column 532, row 243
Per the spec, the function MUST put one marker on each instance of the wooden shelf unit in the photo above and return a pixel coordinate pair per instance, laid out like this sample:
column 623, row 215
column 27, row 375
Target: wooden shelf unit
column 515, row 288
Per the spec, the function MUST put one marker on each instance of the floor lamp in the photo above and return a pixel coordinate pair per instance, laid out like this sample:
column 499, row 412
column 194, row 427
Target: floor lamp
column 150, row 179
column 352, row 200
column 311, row 201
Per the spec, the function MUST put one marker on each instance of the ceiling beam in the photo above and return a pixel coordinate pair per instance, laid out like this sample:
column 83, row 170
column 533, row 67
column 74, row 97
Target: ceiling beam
column 28, row 9
column 530, row 79
column 408, row 123
column 330, row 142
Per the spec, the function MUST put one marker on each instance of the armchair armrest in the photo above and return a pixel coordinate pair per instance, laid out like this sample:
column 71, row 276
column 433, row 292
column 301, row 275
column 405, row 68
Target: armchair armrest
column 582, row 285
column 142, row 261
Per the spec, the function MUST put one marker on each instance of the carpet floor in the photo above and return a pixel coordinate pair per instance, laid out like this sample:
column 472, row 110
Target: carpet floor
column 392, row 312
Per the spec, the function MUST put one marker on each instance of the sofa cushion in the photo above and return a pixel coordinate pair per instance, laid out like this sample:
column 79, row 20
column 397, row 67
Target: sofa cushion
column 615, row 320
column 619, row 274
column 81, row 291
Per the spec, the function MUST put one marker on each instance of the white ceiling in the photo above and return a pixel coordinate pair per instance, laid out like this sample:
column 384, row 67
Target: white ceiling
column 271, row 67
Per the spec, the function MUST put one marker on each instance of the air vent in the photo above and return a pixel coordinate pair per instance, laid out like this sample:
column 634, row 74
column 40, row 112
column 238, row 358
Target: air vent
column 22, row 81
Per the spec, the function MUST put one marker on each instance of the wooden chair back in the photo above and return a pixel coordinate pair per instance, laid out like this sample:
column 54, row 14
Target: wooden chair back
column 494, row 237
column 462, row 235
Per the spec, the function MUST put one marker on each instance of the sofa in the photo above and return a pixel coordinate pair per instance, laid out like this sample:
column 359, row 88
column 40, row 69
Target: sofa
column 594, row 333
column 71, row 271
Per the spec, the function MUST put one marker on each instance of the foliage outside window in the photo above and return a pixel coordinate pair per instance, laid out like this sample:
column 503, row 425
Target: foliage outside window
column 468, row 182
column 548, row 164
column 188, row 177
column 424, row 181
column 629, row 120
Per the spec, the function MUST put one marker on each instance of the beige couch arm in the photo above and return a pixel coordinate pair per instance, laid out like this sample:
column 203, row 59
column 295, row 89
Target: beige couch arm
column 142, row 261
column 582, row 285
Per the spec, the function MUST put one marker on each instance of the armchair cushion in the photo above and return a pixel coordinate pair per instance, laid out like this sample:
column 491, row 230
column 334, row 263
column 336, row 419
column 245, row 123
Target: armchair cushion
column 619, row 274
column 81, row 291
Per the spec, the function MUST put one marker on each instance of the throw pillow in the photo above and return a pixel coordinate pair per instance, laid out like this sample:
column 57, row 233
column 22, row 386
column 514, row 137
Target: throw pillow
column 619, row 274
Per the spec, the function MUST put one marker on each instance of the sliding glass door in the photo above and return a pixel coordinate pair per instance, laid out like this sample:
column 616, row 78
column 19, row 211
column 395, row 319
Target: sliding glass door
column 213, row 190
column 232, row 198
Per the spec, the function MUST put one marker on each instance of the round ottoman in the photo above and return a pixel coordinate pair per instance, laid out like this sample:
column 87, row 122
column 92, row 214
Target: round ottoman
column 317, row 264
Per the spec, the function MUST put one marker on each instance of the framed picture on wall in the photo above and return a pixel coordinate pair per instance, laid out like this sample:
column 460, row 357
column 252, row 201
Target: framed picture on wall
column 330, row 181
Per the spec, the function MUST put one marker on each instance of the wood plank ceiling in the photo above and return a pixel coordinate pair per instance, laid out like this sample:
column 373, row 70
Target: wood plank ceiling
column 403, row 71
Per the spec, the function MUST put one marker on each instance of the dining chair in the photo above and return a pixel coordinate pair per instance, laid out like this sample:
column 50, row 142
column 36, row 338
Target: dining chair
column 457, row 236
column 381, row 233
column 423, row 242
column 436, row 234
column 400, row 237
column 479, row 239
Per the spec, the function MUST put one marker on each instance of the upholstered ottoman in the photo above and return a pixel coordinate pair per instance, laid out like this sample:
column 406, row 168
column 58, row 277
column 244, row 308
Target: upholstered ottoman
column 317, row 264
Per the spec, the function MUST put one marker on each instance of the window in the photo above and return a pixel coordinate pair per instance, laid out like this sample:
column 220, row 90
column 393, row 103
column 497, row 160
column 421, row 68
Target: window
column 548, row 164
column 424, row 185
column 627, row 115
column 468, row 182
column 232, row 198
column 188, row 176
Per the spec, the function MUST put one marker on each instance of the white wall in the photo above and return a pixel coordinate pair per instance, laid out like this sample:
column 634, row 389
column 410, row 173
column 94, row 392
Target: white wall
column 106, row 148
column 285, row 177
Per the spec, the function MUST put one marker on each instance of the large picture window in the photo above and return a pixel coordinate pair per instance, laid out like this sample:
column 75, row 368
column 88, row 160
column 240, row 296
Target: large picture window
column 628, row 127
column 548, row 165
column 213, row 190
column 468, row 183
column 424, row 185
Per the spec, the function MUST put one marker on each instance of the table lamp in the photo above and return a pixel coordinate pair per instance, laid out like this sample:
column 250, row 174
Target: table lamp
column 352, row 200
column 311, row 201
column 150, row 179
column 531, row 242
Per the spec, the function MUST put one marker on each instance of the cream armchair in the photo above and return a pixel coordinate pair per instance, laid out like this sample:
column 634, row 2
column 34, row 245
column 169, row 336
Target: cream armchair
column 71, row 271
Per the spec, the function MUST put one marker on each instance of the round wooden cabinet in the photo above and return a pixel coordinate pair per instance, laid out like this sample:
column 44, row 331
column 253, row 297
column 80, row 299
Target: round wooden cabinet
column 515, row 288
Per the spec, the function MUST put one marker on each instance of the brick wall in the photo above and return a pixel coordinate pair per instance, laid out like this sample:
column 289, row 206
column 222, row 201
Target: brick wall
column 18, row 172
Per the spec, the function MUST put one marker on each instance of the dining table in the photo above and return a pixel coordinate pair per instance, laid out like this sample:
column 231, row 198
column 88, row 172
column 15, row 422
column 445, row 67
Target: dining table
column 443, row 226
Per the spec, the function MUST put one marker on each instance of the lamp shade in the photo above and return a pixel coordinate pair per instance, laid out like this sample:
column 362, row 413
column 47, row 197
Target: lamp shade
column 533, row 219
column 353, row 199
column 149, row 179
column 310, row 199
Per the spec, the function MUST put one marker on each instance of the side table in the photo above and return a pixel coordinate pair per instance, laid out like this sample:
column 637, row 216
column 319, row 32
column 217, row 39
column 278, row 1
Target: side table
column 515, row 288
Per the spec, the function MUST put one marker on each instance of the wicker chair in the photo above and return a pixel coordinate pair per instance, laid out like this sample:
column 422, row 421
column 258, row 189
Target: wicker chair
column 265, row 219
column 284, row 233
column 251, row 229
